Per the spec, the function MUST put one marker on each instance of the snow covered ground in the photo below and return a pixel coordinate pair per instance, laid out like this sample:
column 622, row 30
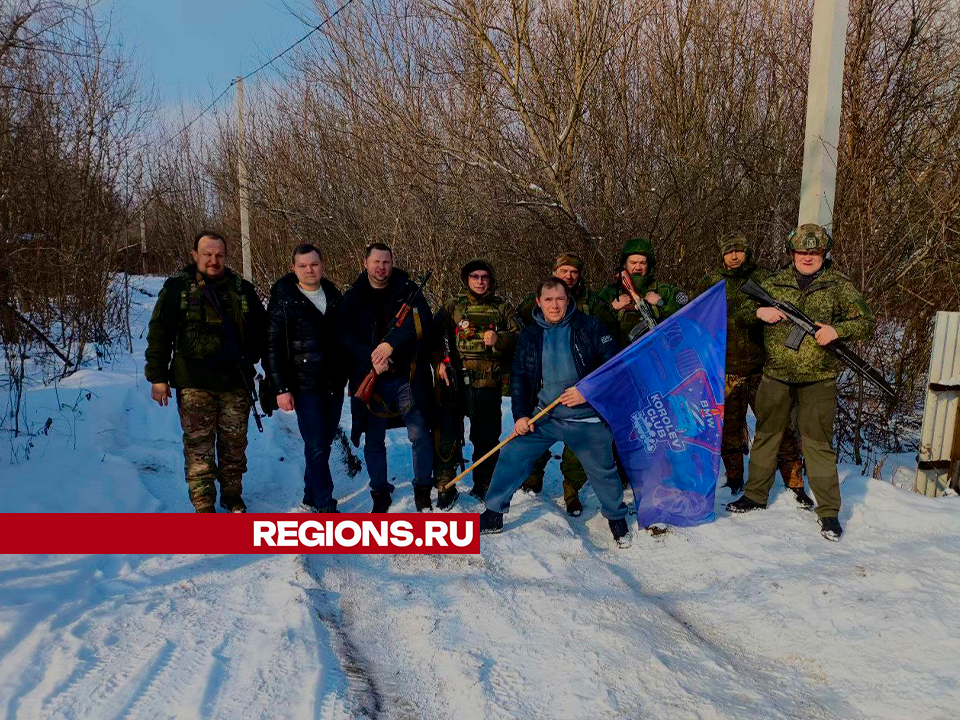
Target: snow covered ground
column 752, row 616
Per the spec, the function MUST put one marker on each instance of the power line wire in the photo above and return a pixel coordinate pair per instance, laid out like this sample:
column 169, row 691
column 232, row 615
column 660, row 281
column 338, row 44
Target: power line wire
column 268, row 63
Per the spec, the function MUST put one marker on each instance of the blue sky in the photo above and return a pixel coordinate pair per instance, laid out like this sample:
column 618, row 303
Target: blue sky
column 193, row 49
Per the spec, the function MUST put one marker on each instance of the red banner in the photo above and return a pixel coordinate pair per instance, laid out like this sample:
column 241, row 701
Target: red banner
column 197, row 533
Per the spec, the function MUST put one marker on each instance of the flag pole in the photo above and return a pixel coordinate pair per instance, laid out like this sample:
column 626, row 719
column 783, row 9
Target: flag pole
column 509, row 437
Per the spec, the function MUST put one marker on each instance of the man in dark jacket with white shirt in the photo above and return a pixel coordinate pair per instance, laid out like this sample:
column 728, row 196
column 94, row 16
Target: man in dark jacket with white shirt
column 557, row 350
column 304, row 366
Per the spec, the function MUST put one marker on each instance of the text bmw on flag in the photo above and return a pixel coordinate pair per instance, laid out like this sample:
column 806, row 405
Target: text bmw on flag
column 662, row 397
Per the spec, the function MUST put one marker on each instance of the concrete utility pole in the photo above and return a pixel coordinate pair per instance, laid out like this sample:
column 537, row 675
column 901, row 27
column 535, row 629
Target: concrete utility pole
column 824, row 94
column 244, row 196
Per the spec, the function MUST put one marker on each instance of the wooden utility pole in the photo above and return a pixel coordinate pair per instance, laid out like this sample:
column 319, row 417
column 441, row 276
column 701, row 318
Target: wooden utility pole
column 244, row 193
column 824, row 94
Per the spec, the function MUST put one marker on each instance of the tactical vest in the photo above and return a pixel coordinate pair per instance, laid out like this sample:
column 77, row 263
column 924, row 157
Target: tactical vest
column 471, row 321
column 201, row 336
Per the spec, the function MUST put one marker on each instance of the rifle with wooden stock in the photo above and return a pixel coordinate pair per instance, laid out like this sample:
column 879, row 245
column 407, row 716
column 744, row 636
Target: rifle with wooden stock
column 365, row 391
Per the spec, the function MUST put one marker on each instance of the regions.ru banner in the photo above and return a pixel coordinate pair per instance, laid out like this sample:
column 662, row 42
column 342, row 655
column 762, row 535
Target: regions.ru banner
column 173, row 533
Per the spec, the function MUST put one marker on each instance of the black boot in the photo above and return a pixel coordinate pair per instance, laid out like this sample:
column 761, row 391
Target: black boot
column 803, row 500
column 574, row 507
column 743, row 505
column 735, row 485
column 421, row 496
column 331, row 507
column 233, row 504
column 491, row 522
column 621, row 532
column 830, row 529
column 382, row 499
column 446, row 499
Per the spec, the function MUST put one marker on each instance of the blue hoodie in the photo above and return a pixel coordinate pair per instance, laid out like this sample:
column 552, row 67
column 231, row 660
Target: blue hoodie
column 558, row 370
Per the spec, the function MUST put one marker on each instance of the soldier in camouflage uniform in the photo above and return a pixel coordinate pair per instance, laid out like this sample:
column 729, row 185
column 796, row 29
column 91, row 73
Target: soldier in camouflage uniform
column 618, row 306
column 805, row 378
column 569, row 268
column 482, row 332
column 206, row 343
column 745, row 356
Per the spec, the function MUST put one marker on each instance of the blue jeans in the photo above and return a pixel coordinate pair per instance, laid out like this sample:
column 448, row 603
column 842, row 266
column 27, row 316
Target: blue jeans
column 318, row 415
column 397, row 394
column 591, row 442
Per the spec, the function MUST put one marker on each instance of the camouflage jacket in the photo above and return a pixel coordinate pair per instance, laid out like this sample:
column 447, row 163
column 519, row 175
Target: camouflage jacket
column 184, row 324
column 830, row 299
column 464, row 319
column 621, row 322
column 745, row 351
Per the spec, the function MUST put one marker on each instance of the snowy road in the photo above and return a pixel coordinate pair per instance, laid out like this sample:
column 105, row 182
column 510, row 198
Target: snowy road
column 750, row 617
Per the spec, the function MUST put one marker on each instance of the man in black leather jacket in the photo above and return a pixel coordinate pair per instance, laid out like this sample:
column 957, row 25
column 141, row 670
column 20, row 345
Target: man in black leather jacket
column 557, row 350
column 304, row 367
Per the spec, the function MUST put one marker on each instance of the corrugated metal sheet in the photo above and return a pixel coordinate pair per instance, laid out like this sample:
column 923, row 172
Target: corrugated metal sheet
column 939, row 452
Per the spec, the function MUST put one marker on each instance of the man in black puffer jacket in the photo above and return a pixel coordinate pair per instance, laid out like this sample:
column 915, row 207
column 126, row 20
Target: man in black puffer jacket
column 404, row 388
column 557, row 350
column 304, row 366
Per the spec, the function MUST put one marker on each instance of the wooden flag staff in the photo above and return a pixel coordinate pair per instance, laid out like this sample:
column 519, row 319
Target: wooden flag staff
column 510, row 437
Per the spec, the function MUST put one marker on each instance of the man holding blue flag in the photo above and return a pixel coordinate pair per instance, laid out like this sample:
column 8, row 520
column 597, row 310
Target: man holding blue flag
column 561, row 346
column 662, row 397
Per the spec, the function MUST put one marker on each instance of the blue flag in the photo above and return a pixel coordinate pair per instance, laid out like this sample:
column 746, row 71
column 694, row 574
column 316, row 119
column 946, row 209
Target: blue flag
column 662, row 397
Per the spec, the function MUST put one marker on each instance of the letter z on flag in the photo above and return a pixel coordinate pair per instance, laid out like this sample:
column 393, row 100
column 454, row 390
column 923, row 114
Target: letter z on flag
column 662, row 397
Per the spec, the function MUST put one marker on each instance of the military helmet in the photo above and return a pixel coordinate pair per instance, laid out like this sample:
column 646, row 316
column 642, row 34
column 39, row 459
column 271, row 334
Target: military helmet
column 809, row 236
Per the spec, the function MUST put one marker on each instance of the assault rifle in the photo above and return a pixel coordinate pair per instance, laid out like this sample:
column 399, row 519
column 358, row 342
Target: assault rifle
column 365, row 391
column 647, row 321
column 803, row 325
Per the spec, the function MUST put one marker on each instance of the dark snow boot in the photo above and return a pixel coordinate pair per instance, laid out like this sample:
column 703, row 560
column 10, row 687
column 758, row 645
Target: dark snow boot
column 735, row 485
column 446, row 499
column 830, row 529
column 329, row 508
column 621, row 533
column 803, row 500
column 478, row 492
column 574, row 507
column 743, row 505
column 421, row 496
column 233, row 504
column 382, row 499
column 491, row 522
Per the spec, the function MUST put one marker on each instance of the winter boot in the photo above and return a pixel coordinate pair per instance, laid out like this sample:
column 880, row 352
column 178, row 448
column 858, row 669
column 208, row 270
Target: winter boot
column 743, row 505
column 330, row 507
column 574, row 507
column 479, row 492
column 830, row 529
column 233, row 504
column 446, row 499
column 491, row 522
column 533, row 485
column 307, row 504
column 421, row 496
column 206, row 509
column 735, row 485
column 803, row 500
column 382, row 499
column 621, row 533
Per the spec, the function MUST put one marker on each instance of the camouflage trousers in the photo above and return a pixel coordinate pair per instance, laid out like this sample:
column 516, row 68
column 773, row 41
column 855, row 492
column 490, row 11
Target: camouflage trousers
column 741, row 392
column 574, row 476
column 214, row 444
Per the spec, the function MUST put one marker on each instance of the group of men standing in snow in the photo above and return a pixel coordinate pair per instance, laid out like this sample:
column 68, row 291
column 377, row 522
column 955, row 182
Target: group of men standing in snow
column 209, row 329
